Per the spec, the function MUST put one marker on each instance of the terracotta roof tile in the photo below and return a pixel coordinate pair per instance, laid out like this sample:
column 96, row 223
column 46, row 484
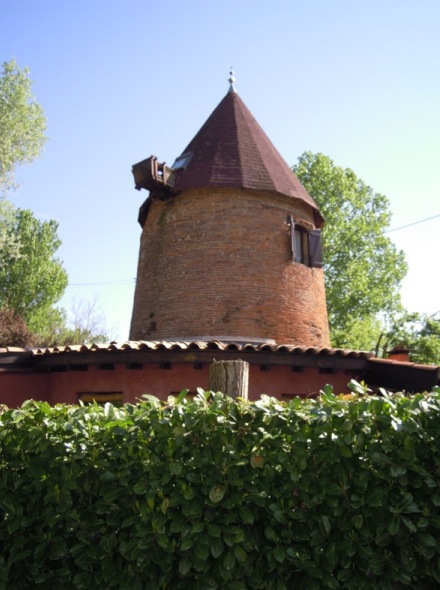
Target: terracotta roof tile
column 9, row 349
column 199, row 345
column 398, row 363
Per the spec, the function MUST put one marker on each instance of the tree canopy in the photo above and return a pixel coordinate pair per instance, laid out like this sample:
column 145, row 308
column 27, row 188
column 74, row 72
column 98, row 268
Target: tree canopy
column 7, row 240
column 13, row 330
column 85, row 323
column 22, row 123
column 362, row 267
column 417, row 333
column 32, row 279
column 426, row 345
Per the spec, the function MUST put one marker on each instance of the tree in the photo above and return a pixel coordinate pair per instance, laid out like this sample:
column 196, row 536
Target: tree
column 22, row 123
column 87, row 322
column 426, row 347
column 362, row 267
column 84, row 324
column 8, row 241
column 32, row 280
column 415, row 332
column 13, row 330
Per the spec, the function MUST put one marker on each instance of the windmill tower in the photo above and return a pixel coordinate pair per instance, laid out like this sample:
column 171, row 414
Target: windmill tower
column 230, row 245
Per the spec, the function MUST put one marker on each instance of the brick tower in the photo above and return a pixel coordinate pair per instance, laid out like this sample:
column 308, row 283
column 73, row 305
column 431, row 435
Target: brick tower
column 230, row 246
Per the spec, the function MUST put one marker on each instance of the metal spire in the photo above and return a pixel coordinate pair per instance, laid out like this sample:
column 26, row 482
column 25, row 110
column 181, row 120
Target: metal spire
column 231, row 81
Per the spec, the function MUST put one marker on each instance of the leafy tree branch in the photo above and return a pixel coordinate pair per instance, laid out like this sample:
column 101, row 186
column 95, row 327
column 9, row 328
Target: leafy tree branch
column 22, row 123
column 363, row 269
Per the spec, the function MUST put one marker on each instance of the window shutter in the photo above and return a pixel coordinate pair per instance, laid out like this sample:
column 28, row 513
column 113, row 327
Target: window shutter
column 315, row 248
column 292, row 236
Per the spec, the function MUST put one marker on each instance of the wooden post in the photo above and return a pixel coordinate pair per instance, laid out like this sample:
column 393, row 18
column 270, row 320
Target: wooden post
column 230, row 377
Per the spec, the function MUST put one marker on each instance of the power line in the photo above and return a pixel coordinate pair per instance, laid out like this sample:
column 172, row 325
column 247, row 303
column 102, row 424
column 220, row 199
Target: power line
column 118, row 282
column 410, row 224
column 128, row 281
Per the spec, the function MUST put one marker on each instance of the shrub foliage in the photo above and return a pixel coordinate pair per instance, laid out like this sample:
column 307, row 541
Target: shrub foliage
column 214, row 494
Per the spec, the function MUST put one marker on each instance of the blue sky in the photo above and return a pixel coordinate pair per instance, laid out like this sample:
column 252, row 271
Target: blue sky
column 123, row 79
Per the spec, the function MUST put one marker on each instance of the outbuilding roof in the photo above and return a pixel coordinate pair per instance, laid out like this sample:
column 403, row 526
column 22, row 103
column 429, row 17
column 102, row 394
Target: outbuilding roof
column 396, row 375
column 180, row 344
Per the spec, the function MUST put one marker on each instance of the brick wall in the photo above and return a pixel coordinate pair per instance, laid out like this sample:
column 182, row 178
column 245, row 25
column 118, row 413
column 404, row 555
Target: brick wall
column 217, row 262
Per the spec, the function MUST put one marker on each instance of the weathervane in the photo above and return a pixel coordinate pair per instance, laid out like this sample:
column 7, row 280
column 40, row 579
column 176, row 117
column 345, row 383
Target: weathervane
column 231, row 80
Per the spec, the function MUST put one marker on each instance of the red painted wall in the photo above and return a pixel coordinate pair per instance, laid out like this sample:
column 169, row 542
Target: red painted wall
column 15, row 388
column 279, row 381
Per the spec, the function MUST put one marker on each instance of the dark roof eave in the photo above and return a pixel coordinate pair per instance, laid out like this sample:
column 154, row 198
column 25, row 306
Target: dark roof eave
column 402, row 376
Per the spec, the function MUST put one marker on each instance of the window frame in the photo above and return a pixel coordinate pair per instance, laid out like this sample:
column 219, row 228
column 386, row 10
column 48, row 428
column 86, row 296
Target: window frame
column 300, row 245
column 305, row 244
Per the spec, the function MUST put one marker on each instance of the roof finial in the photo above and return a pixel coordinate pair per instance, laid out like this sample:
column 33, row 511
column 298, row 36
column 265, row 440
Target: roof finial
column 231, row 81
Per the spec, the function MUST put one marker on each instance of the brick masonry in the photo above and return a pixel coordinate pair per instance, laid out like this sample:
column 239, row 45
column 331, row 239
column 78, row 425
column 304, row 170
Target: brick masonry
column 217, row 262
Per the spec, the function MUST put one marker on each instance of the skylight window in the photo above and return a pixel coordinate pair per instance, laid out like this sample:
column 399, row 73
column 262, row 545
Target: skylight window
column 182, row 161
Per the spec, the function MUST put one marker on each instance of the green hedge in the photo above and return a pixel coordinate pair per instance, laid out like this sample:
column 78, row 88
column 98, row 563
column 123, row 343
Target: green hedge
column 212, row 494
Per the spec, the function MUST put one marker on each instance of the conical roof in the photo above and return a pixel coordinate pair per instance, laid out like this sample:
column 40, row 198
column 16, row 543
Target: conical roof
column 232, row 150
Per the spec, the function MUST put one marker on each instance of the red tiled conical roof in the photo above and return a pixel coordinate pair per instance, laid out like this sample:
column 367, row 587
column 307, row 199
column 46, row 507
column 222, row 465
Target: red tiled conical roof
column 231, row 150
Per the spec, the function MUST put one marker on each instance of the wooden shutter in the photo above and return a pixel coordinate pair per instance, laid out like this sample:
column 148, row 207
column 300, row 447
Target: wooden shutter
column 292, row 236
column 315, row 248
